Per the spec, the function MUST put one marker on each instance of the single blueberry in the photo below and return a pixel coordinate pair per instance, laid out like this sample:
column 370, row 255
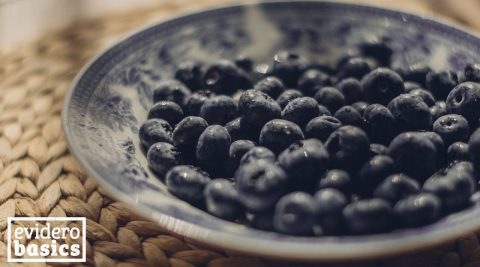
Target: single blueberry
column 239, row 148
column 257, row 108
column 464, row 99
column 472, row 73
column 219, row 110
column 348, row 148
column 321, row 127
column 213, row 145
column 378, row 49
column 396, row 187
column 440, row 83
column 287, row 96
column 187, row 132
column 382, row 85
column 474, row 149
column 360, row 106
column 167, row 110
column 278, row 134
column 171, row 90
column 438, row 110
column 312, row 80
column 225, row 77
column 239, row 129
column 322, row 110
column 351, row 89
column 221, row 199
column 336, row 179
column 257, row 153
column 331, row 98
column 328, row 206
column 355, row 67
column 369, row 216
column 410, row 113
column 458, row 151
column 190, row 74
column 301, row 110
column 380, row 123
column 153, row 131
column 271, row 86
column 377, row 149
column 195, row 102
column 373, row 172
column 452, row 128
column 416, row 72
column 187, row 182
column 348, row 115
column 426, row 96
column 294, row 214
column 161, row 157
column 437, row 141
column 289, row 67
column 417, row 210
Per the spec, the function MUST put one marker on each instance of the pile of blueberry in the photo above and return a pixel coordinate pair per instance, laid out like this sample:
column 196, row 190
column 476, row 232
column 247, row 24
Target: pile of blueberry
column 308, row 149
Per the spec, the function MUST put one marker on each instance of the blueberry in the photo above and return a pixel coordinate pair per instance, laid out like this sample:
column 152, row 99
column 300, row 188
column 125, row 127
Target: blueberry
column 304, row 161
column 271, row 86
column 438, row 110
column 382, row 85
column 257, row 108
column 348, row 147
column 351, row 89
column 410, row 86
column 373, row 173
column 336, row 179
column 378, row 49
column 414, row 154
column 278, row 134
column 331, row 98
column 257, row 153
column 187, row 132
column 348, row 115
column 213, row 145
column 464, row 99
column 426, row 96
column 161, row 157
column 260, row 184
column 355, row 67
column 239, row 148
column 417, row 210
column 417, row 73
column 474, row 148
column 294, row 214
column 245, row 63
column 312, row 80
column 440, row 83
column 239, row 129
column 167, row 110
column 222, row 199
column 396, row 187
column 472, row 73
column 153, row 131
column 288, row 67
column 171, row 90
column 187, row 182
column 368, row 216
column 380, row 123
column 287, row 96
column 410, row 113
column 301, row 110
column 377, row 149
column 321, row 127
column 219, row 110
column 262, row 221
column 190, row 74
column 195, row 102
column 452, row 128
column 436, row 140
column 458, row 151
column 328, row 206
column 225, row 77
column 322, row 110
column 360, row 106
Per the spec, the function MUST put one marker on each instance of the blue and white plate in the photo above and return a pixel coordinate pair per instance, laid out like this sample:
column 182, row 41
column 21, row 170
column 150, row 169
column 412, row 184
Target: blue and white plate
column 110, row 98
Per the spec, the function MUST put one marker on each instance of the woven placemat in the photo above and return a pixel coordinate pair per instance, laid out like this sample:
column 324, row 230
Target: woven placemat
column 39, row 177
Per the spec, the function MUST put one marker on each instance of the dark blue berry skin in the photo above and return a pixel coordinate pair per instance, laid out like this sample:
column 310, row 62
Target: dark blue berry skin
column 287, row 96
column 373, row 172
column 396, row 187
column 410, row 113
column 187, row 132
column 348, row 115
column 153, row 131
column 331, row 98
column 380, row 123
column 161, row 157
column 239, row 129
column 321, row 127
column 472, row 73
column 414, row 154
column 474, row 149
column 465, row 100
column 336, row 179
column 417, row 73
column 271, row 86
column 257, row 108
column 348, row 148
column 171, row 90
column 239, row 148
column 360, row 106
column 377, row 149
column 225, row 77
column 289, row 67
column 438, row 110
column 262, row 221
column 452, row 128
column 355, row 67
column 187, row 182
column 418, row 210
column 437, row 141
column 381, row 86
column 410, row 86
column 245, row 63
column 440, row 83
column 301, row 110
column 190, row 74
column 369, row 216
column 454, row 186
column 304, row 161
column 322, row 110
column 195, row 102
column 213, row 145
column 312, row 80
column 458, row 151
column 351, row 90
column 219, row 110
column 294, row 214
column 166, row 110
column 378, row 49
column 258, row 153
column 277, row 135
column 328, row 206
column 221, row 199
column 426, row 96
column 260, row 184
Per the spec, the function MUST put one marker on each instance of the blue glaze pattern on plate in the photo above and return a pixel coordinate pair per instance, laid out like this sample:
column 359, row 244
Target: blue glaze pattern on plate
column 111, row 96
